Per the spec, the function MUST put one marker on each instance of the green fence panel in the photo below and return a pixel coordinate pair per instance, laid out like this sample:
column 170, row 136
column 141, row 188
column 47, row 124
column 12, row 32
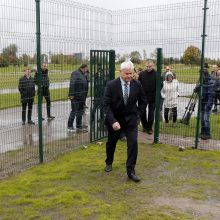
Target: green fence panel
column 102, row 69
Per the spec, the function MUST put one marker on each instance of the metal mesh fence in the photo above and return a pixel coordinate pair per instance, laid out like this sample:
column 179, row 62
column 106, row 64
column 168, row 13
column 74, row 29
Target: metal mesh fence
column 69, row 30
column 177, row 29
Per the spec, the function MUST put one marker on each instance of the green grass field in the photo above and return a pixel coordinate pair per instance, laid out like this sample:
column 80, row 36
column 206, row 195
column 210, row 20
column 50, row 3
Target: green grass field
column 9, row 81
column 190, row 130
column 174, row 185
column 13, row 100
column 10, row 75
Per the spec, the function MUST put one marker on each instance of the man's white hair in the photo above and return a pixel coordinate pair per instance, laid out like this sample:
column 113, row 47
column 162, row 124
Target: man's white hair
column 127, row 65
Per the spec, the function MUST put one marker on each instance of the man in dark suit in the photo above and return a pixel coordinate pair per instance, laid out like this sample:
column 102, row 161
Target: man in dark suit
column 148, row 81
column 122, row 112
column 27, row 91
column 78, row 90
column 45, row 84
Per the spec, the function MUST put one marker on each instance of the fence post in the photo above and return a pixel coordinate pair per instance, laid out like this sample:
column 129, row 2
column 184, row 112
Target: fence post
column 39, row 79
column 201, row 75
column 157, row 101
column 112, row 65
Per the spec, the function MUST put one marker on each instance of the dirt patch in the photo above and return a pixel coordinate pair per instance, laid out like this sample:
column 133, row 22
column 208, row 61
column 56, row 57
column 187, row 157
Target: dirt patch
column 145, row 138
column 199, row 209
column 179, row 141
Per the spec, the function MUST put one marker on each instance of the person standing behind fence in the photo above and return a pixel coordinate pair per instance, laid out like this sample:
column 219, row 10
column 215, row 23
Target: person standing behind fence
column 78, row 90
column 214, row 73
column 45, row 89
column 208, row 95
column 136, row 73
column 217, row 91
column 26, row 88
column 148, row 81
column 88, row 80
column 170, row 93
column 163, row 78
column 123, row 102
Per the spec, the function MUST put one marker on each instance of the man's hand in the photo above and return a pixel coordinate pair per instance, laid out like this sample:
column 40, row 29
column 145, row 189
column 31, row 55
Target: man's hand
column 116, row 126
column 71, row 97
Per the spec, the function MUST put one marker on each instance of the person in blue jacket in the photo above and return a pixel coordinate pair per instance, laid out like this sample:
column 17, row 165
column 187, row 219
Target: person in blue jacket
column 208, row 96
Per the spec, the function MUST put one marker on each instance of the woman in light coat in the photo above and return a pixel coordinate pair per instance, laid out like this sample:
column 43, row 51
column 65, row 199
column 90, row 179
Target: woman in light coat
column 170, row 94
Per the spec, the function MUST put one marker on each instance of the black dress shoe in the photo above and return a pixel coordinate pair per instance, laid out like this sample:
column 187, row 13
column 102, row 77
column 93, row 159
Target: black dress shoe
column 82, row 126
column 23, row 122
column 31, row 122
column 123, row 138
column 51, row 117
column 108, row 168
column 133, row 177
column 150, row 131
column 205, row 136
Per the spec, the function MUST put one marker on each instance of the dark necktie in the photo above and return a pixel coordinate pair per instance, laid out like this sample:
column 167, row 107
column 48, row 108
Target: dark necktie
column 125, row 93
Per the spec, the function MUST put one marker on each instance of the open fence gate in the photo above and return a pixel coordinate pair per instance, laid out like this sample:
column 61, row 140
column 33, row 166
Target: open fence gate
column 102, row 70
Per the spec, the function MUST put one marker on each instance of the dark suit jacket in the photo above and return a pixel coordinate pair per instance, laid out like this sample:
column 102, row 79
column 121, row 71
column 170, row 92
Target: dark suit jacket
column 78, row 86
column 113, row 102
column 44, row 80
column 26, row 88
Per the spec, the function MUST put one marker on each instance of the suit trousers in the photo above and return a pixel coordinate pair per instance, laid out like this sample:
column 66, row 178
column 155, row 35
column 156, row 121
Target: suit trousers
column 148, row 120
column 25, row 103
column 77, row 110
column 46, row 95
column 130, row 129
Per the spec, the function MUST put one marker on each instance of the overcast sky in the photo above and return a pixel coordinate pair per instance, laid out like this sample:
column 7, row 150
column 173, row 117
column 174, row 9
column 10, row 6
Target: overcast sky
column 68, row 26
column 125, row 4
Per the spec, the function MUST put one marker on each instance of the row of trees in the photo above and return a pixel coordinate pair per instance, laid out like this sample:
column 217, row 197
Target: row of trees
column 191, row 56
column 9, row 56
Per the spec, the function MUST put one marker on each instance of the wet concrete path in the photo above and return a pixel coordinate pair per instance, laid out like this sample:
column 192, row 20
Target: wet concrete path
column 14, row 135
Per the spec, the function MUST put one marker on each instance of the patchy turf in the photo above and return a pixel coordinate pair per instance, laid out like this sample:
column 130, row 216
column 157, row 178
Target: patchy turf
column 175, row 185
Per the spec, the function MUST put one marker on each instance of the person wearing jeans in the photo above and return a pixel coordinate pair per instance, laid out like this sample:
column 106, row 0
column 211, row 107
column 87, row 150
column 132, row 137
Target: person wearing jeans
column 208, row 95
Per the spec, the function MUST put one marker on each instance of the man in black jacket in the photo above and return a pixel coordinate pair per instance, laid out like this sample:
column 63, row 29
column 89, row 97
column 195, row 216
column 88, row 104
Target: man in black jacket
column 26, row 88
column 78, row 90
column 148, row 82
column 45, row 89
column 122, row 112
